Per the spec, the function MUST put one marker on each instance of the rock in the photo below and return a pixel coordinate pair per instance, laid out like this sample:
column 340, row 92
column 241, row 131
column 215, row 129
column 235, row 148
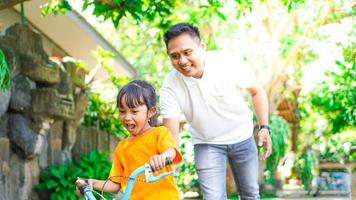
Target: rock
column 21, row 93
column 28, row 42
column 77, row 73
column 48, row 102
column 41, row 72
column 33, row 58
column 3, row 126
column 5, row 100
column 26, row 142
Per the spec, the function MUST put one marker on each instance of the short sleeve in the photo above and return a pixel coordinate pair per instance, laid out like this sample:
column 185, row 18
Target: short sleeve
column 169, row 103
column 116, row 171
column 165, row 141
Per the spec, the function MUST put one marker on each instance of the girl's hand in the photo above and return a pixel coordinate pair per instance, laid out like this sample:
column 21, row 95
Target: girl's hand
column 82, row 182
column 158, row 162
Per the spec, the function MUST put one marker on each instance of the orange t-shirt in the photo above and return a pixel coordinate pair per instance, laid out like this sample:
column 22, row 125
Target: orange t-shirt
column 132, row 153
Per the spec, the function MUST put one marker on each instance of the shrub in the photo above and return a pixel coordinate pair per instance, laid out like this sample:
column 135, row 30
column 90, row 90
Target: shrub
column 60, row 179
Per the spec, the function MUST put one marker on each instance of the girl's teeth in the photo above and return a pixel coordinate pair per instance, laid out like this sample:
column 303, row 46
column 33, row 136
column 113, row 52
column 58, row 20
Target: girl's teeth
column 131, row 127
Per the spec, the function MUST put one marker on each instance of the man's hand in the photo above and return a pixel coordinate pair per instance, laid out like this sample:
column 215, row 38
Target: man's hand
column 264, row 139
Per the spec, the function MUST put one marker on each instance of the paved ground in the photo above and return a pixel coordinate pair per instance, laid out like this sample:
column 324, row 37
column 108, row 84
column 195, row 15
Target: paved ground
column 296, row 198
column 301, row 195
column 301, row 198
column 314, row 198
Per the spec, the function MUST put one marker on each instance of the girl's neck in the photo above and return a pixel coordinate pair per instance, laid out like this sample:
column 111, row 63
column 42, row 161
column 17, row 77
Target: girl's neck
column 144, row 130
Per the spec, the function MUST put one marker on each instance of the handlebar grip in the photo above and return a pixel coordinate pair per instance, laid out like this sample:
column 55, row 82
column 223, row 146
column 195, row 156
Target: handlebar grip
column 85, row 190
column 169, row 161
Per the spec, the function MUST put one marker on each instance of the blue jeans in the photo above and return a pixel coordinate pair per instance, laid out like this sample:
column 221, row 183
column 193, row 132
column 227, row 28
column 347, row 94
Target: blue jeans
column 210, row 161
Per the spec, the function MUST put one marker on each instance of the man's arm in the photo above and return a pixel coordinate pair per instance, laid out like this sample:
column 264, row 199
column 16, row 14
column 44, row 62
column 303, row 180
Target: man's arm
column 173, row 125
column 260, row 103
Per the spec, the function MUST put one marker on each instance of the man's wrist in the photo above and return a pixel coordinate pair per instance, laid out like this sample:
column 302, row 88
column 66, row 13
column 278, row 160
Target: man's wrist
column 265, row 126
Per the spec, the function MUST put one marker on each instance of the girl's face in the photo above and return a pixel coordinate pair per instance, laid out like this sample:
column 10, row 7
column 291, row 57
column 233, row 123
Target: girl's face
column 135, row 119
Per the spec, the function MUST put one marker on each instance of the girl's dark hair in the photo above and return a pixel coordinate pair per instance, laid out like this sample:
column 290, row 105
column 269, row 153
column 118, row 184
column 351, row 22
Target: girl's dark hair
column 137, row 93
column 179, row 29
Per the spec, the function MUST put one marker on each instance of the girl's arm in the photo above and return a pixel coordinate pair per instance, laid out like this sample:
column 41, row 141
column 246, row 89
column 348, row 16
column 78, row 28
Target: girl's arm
column 95, row 184
column 158, row 162
column 110, row 187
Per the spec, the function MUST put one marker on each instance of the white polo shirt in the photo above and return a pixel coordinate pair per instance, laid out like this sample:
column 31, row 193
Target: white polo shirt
column 213, row 105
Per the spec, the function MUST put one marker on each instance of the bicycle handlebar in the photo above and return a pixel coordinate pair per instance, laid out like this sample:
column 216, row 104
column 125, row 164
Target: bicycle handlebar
column 146, row 168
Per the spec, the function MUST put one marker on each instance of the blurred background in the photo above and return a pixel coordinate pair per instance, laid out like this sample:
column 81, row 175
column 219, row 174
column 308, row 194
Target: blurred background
column 63, row 61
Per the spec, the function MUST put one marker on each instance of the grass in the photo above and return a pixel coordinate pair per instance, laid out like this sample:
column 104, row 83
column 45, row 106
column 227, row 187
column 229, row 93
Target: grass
column 263, row 196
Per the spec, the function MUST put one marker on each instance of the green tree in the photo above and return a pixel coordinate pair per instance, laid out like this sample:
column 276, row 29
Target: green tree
column 279, row 134
column 328, row 118
column 335, row 98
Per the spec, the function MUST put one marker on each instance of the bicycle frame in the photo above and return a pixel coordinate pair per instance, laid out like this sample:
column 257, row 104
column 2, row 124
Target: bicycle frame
column 130, row 183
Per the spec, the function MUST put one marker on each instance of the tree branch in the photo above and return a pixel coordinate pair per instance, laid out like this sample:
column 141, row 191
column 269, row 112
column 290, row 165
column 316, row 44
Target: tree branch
column 280, row 77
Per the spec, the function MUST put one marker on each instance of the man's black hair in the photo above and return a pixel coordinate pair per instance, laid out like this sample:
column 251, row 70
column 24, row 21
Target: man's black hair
column 179, row 29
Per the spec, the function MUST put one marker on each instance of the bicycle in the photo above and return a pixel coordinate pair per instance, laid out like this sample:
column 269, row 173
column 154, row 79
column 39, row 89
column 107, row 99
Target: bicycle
column 149, row 178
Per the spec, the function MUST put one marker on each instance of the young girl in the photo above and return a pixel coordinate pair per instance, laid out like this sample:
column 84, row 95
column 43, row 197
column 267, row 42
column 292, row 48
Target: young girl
column 136, row 102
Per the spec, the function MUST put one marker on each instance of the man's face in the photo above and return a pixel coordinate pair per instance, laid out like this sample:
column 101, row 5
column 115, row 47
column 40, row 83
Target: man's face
column 186, row 55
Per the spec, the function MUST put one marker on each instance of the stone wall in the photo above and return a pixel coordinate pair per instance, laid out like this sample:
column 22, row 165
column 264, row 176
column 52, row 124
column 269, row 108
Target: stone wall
column 39, row 114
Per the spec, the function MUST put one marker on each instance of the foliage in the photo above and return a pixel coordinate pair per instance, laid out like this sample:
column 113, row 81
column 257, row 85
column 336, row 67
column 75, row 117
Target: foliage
column 145, row 10
column 262, row 196
column 5, row 77
column 103, row 115
column 139, row 37
column 292, row 4
column 305, row 167
column 328, row 117
column 105, row 59
column 141, row 48
column 141, row 44
column 187, row 179
column 337, row 148
column 140, row 10
column 60, row 179
column 101, row 110
column 334, row 99
column 279, row 134
column 55, row 7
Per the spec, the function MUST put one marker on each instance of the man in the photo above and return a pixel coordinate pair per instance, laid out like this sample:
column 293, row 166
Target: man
column 206, row 89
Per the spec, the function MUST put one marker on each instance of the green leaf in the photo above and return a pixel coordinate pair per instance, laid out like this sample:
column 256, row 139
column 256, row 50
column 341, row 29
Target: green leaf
column 5, row 77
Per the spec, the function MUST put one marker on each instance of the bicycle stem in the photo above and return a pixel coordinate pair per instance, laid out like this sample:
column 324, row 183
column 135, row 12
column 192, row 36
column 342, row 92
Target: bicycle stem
column 131, row 181
column 148, row 175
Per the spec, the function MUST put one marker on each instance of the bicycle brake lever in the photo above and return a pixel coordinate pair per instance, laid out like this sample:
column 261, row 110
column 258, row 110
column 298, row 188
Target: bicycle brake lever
column 151, row 178
column 148, row 172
